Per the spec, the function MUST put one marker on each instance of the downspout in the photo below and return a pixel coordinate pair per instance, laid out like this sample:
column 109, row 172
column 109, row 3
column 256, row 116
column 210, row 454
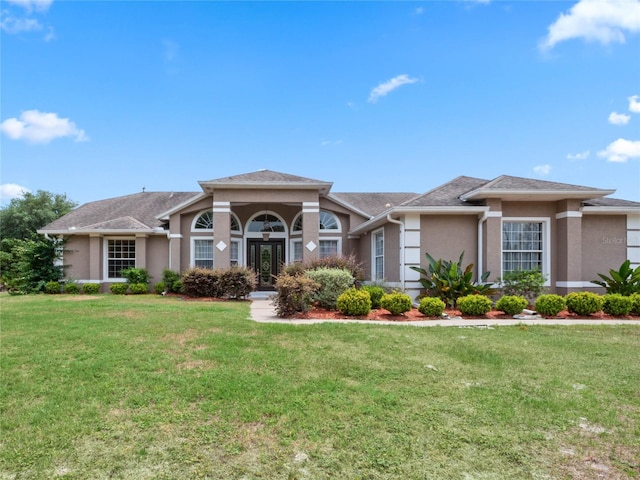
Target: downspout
column 169, row 239
column 402, row 252
column 481, row 221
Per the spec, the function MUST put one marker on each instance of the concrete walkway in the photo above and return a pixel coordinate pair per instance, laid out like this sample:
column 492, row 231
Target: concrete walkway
column 262, row 311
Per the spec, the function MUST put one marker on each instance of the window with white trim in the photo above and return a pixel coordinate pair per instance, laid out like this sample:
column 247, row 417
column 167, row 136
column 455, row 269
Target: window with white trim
column 378, row 255
column 204, row 222
column 523, row 245
column 296, row 249
column 328, row 248
column 121, row 254
column 326, row 221
column 202, row 253
column 234, row 253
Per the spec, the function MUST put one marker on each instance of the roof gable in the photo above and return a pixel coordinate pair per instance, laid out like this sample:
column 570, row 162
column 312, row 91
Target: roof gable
column 266, row 179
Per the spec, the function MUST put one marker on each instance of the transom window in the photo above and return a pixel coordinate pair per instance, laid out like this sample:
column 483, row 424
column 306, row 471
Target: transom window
column 204, row 221
column 522, row 246
column 326, row 221
column 121, row 254
column 266, row 223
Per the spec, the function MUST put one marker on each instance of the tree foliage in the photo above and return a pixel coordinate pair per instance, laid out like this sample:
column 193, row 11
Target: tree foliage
column 23, row 216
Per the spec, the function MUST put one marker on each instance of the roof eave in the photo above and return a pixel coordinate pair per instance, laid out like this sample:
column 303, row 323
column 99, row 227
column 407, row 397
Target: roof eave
column 613, row 210
column 191, row 201
column 211, row 186
column 98, row 231
column 348, row 206
column 381, row 219
column 524, row 195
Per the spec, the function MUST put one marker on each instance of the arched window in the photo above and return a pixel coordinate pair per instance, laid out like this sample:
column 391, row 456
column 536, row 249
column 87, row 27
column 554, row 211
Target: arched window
column 266, row 222
column 204, row 221
column 326, row 221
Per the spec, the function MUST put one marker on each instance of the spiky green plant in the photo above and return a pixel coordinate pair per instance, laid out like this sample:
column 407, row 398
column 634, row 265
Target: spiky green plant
column 624, row 281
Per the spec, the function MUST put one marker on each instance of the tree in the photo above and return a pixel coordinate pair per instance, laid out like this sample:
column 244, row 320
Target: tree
column 29, row 260
column 23, row 216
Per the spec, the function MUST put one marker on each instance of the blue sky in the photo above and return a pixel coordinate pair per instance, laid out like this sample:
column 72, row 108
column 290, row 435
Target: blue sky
column 101, row 99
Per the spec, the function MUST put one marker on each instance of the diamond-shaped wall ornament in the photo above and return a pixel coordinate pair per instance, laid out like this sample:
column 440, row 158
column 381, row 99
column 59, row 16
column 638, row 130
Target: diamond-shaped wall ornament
column 311, row 246
column 221, row 245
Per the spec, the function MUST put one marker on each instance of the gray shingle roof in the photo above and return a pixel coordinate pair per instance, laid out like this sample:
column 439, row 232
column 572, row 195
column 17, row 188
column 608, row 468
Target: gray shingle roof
column 264, row 176
column 137, row 211
column 447, row 194
column 373, row 203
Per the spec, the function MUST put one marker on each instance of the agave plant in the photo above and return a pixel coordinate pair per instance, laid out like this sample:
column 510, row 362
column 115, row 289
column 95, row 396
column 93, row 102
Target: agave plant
column 624, row 281
column 448, row 281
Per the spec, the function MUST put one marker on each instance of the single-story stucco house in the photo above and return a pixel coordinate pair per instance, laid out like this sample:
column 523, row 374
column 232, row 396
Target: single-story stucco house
column 265, row 218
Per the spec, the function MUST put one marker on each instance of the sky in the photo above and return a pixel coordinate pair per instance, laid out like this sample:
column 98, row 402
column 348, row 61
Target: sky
column 107, row 98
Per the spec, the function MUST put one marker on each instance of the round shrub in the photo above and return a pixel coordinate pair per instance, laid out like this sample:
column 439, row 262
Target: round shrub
column 550, row 304
column 635, row 303
column 354, row 302
column 159, row 288
column 396, row 303
column 332, row 281
column 474, row 304
column 617, row 304
column 52, row 288
column 119, row 288
column 512, row 304
column 176, row 287
column 584, row 303
column 72, row 288
column 91, row 288
column 375, row 292
column 139, row 288
column 431, row 306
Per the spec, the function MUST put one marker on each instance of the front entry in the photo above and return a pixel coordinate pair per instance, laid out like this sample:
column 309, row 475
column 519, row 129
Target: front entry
column 266, row 257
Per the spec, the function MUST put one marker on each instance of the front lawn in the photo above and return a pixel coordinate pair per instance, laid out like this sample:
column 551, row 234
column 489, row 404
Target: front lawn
column 147, row 387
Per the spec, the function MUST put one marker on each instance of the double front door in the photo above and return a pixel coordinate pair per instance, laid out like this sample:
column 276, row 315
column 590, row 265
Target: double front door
column 266, row 257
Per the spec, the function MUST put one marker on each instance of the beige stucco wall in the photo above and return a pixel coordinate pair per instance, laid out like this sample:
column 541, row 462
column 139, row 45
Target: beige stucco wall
column 603, row 244
column 447, row 236
column 76, row 258
column 157, row 256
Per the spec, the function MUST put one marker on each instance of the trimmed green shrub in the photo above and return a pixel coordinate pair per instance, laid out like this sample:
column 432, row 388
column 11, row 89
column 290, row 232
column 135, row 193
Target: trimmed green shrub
column 333, row 282
column 511, row 304
column 349, row 263
column 431, row 306
column 159, row 288
column 635, row 303
column 584, row 303
column 237, row 282
column 396, row 303
column 136, row 275
column 523, row 283
column 72, row 288
column 617, row 304
column 354, row 302
column 139, row 288
column 474, row 304
column 294, row 293
column 119, row 288
column 91, row 288
column 375, row 292
column 52, row 288
column 550, row 304
column 170, row 279
column 202, row 282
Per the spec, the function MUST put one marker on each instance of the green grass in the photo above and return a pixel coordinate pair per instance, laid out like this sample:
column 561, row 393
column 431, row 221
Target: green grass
column 146, row 387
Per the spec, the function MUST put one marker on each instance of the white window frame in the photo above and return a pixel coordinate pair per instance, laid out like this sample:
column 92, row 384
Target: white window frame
column 292, row 251
column 546, row 243
column 238, row 260
column 207, row 230
column 338, row 241
column 338, row 228
column 107, row 258
column 375, row 256
column 192, row 253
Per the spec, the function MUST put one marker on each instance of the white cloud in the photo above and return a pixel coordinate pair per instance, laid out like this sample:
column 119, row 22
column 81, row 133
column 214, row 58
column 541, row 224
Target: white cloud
column 542, row 169
column 634, row 104
column 387, row 87
column 604, row 21
column 578, row 156
column 31, row 5
column 9, row 191
column 621, row 150
column 41, row 127
column 619, row 118
column 13, row 25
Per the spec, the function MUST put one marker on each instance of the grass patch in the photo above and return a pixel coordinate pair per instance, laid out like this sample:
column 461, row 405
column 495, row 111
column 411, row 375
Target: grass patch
column 152, row 387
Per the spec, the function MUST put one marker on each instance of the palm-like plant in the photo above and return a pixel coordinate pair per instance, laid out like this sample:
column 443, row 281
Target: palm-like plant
column 624, row 281
column 448, row 281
